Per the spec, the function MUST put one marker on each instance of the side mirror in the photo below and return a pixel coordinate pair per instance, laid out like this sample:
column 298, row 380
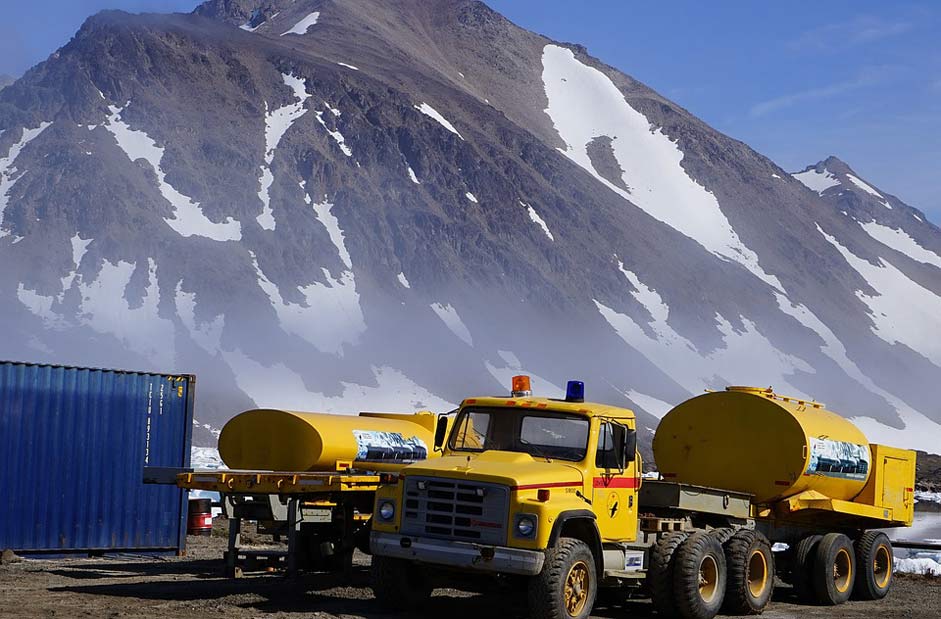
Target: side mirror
column 441, row 432
column 629, row 449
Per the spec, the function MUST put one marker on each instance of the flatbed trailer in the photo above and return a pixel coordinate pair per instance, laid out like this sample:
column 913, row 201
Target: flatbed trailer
column 322, row 516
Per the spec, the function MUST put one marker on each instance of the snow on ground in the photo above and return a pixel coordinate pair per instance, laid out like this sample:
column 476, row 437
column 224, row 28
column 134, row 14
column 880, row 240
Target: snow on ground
column 304, row 25
column 411, row 175
column 902, row 311
column 452, row 321
column 471, row 197
column 865, row 187
column 925, row 565
column 817, row 181
column 276, row 125
column 188, row 218
column 205, row 458
column 747, row 358
column 403, row 280
column 207, row 335
column 280, row 387
column 585, row 104
column 431, row 112
column 331, row 316
column 928, row 497
column 8, row 172
column 536, row 219
column 348, row 66
column 336, row 135
column 79, row 249
column 324, row 213
column 900, row 241
column 656, row 407
column 105, row 309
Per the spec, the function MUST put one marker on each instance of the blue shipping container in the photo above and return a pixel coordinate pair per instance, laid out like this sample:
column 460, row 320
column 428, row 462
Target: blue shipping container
column 73, row 444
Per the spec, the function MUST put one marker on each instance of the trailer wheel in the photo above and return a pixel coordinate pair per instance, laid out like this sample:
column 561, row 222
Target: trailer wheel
column 568, row 584
column 699, row 577
column 399, row 584
column 802, row 568
column 751, row 573
column 834, row 569
column 874, row 563
column 724, row 534
column 660, row 572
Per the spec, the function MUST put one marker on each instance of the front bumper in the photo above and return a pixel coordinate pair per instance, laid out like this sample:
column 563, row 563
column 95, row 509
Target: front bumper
column 461, row 555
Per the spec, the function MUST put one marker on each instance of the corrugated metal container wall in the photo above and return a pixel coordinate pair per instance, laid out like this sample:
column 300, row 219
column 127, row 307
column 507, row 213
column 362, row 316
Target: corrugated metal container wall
column 73, row 444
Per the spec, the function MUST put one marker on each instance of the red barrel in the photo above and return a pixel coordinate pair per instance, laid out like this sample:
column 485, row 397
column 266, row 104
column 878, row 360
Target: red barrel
column 199, row 521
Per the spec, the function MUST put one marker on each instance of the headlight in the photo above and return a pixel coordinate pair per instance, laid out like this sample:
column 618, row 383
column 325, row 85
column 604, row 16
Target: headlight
column 525, row 526
column 387, row 510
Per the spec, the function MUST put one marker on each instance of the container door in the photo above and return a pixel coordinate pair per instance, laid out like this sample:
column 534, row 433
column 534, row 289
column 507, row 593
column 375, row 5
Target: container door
column 897, row 492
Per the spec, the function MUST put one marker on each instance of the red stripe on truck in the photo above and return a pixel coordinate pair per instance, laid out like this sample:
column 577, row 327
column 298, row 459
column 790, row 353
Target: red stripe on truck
column 614, row 482
column 558, row 484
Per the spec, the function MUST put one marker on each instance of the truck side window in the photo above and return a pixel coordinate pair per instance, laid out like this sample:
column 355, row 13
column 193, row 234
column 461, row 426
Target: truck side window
column 610, row 440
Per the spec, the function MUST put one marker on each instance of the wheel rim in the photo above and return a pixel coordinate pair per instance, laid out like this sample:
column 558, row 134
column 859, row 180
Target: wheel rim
column 708, row 578
column 577, row 584
column 882, row 566
column 757, row 574
column 842, row 570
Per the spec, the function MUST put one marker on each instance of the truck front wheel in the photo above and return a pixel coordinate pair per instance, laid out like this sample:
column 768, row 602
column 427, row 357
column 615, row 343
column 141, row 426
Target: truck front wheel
column 398, row 584
column 568, row 584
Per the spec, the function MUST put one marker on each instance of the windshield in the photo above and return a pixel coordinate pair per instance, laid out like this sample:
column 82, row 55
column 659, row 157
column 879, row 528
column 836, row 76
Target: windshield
column 556, row 436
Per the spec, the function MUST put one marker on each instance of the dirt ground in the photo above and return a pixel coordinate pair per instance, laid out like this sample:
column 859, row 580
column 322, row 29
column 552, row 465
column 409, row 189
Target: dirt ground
column 191, row 587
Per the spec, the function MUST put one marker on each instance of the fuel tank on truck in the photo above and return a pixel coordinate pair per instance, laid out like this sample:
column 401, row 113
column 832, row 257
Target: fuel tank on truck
column 754, row 441
column 268, row 439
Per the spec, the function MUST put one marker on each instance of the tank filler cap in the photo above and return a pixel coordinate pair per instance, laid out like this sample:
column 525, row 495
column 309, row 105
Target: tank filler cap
column 765, row 391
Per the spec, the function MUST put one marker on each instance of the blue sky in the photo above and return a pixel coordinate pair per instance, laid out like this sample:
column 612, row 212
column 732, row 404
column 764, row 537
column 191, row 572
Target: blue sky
column 796, row 81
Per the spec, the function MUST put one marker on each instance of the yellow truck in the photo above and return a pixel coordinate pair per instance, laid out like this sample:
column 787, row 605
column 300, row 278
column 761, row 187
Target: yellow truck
column 550, row 492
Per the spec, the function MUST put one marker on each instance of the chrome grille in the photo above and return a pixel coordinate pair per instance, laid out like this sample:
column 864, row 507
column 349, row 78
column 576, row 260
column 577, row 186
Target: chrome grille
column 455, row 509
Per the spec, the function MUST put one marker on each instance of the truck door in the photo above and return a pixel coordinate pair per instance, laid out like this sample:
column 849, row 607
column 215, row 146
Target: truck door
column 614, row 491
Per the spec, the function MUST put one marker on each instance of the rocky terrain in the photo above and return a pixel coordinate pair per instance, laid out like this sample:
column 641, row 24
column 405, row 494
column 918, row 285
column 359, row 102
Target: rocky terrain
column 389, row 205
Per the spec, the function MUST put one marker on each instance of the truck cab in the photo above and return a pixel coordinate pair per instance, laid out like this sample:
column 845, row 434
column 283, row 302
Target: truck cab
column 525, row 486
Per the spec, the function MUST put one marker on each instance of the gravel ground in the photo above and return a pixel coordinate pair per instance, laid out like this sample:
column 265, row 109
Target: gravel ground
column 191, row 587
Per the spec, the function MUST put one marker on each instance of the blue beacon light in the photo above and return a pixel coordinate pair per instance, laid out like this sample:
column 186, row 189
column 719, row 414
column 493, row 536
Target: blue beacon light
column 575, row 391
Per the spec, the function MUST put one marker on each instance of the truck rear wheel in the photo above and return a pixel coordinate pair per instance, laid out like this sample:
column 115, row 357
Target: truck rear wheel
column 399, row 584
column 802, row 568
column 834, row 569
column 568, row 584
column 874, row 563
column 751, row 573
column 660, row 572
column 699, row 576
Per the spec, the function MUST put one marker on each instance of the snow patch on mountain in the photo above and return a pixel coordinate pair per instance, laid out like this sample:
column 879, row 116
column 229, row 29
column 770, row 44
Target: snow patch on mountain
column 105, row 309
column 431, row 112
column 471, row 197
column 40, row 306
column 335, row 134
column 541, row 386
column 188, row 218
column 277, row 124
column 411, row 175
column 867, row 188
column 304, row 25
column 207, row 335
column 79, row 249
column 452, row 320
column 403, row 280
column 9, row 175
column 348, row 66
column 654, row 406
column 902, row 311
column 584, row 104
column 900, row 241
column 269, row 386
column 331, row 317
column 536, row 219
column 324, row 213
column 817, row 181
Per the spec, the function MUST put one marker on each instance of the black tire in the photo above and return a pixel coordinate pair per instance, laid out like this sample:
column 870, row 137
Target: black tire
column 874, row 565
column 399, row 584
column 802, row 569
column 660, row 572
column 699, row 576
column 834, row 569
column 750, row 564
column 724, row 534
column 568, row 584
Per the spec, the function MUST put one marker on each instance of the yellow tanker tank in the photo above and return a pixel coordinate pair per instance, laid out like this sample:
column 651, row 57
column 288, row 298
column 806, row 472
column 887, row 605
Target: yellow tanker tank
column 754, row 441
column 281, row 440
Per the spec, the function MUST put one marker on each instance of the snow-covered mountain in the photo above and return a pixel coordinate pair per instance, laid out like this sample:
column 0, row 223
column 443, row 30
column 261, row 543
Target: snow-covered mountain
column 369, row 204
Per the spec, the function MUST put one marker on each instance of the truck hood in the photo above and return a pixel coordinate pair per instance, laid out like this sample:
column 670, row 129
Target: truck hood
column 517, row 470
